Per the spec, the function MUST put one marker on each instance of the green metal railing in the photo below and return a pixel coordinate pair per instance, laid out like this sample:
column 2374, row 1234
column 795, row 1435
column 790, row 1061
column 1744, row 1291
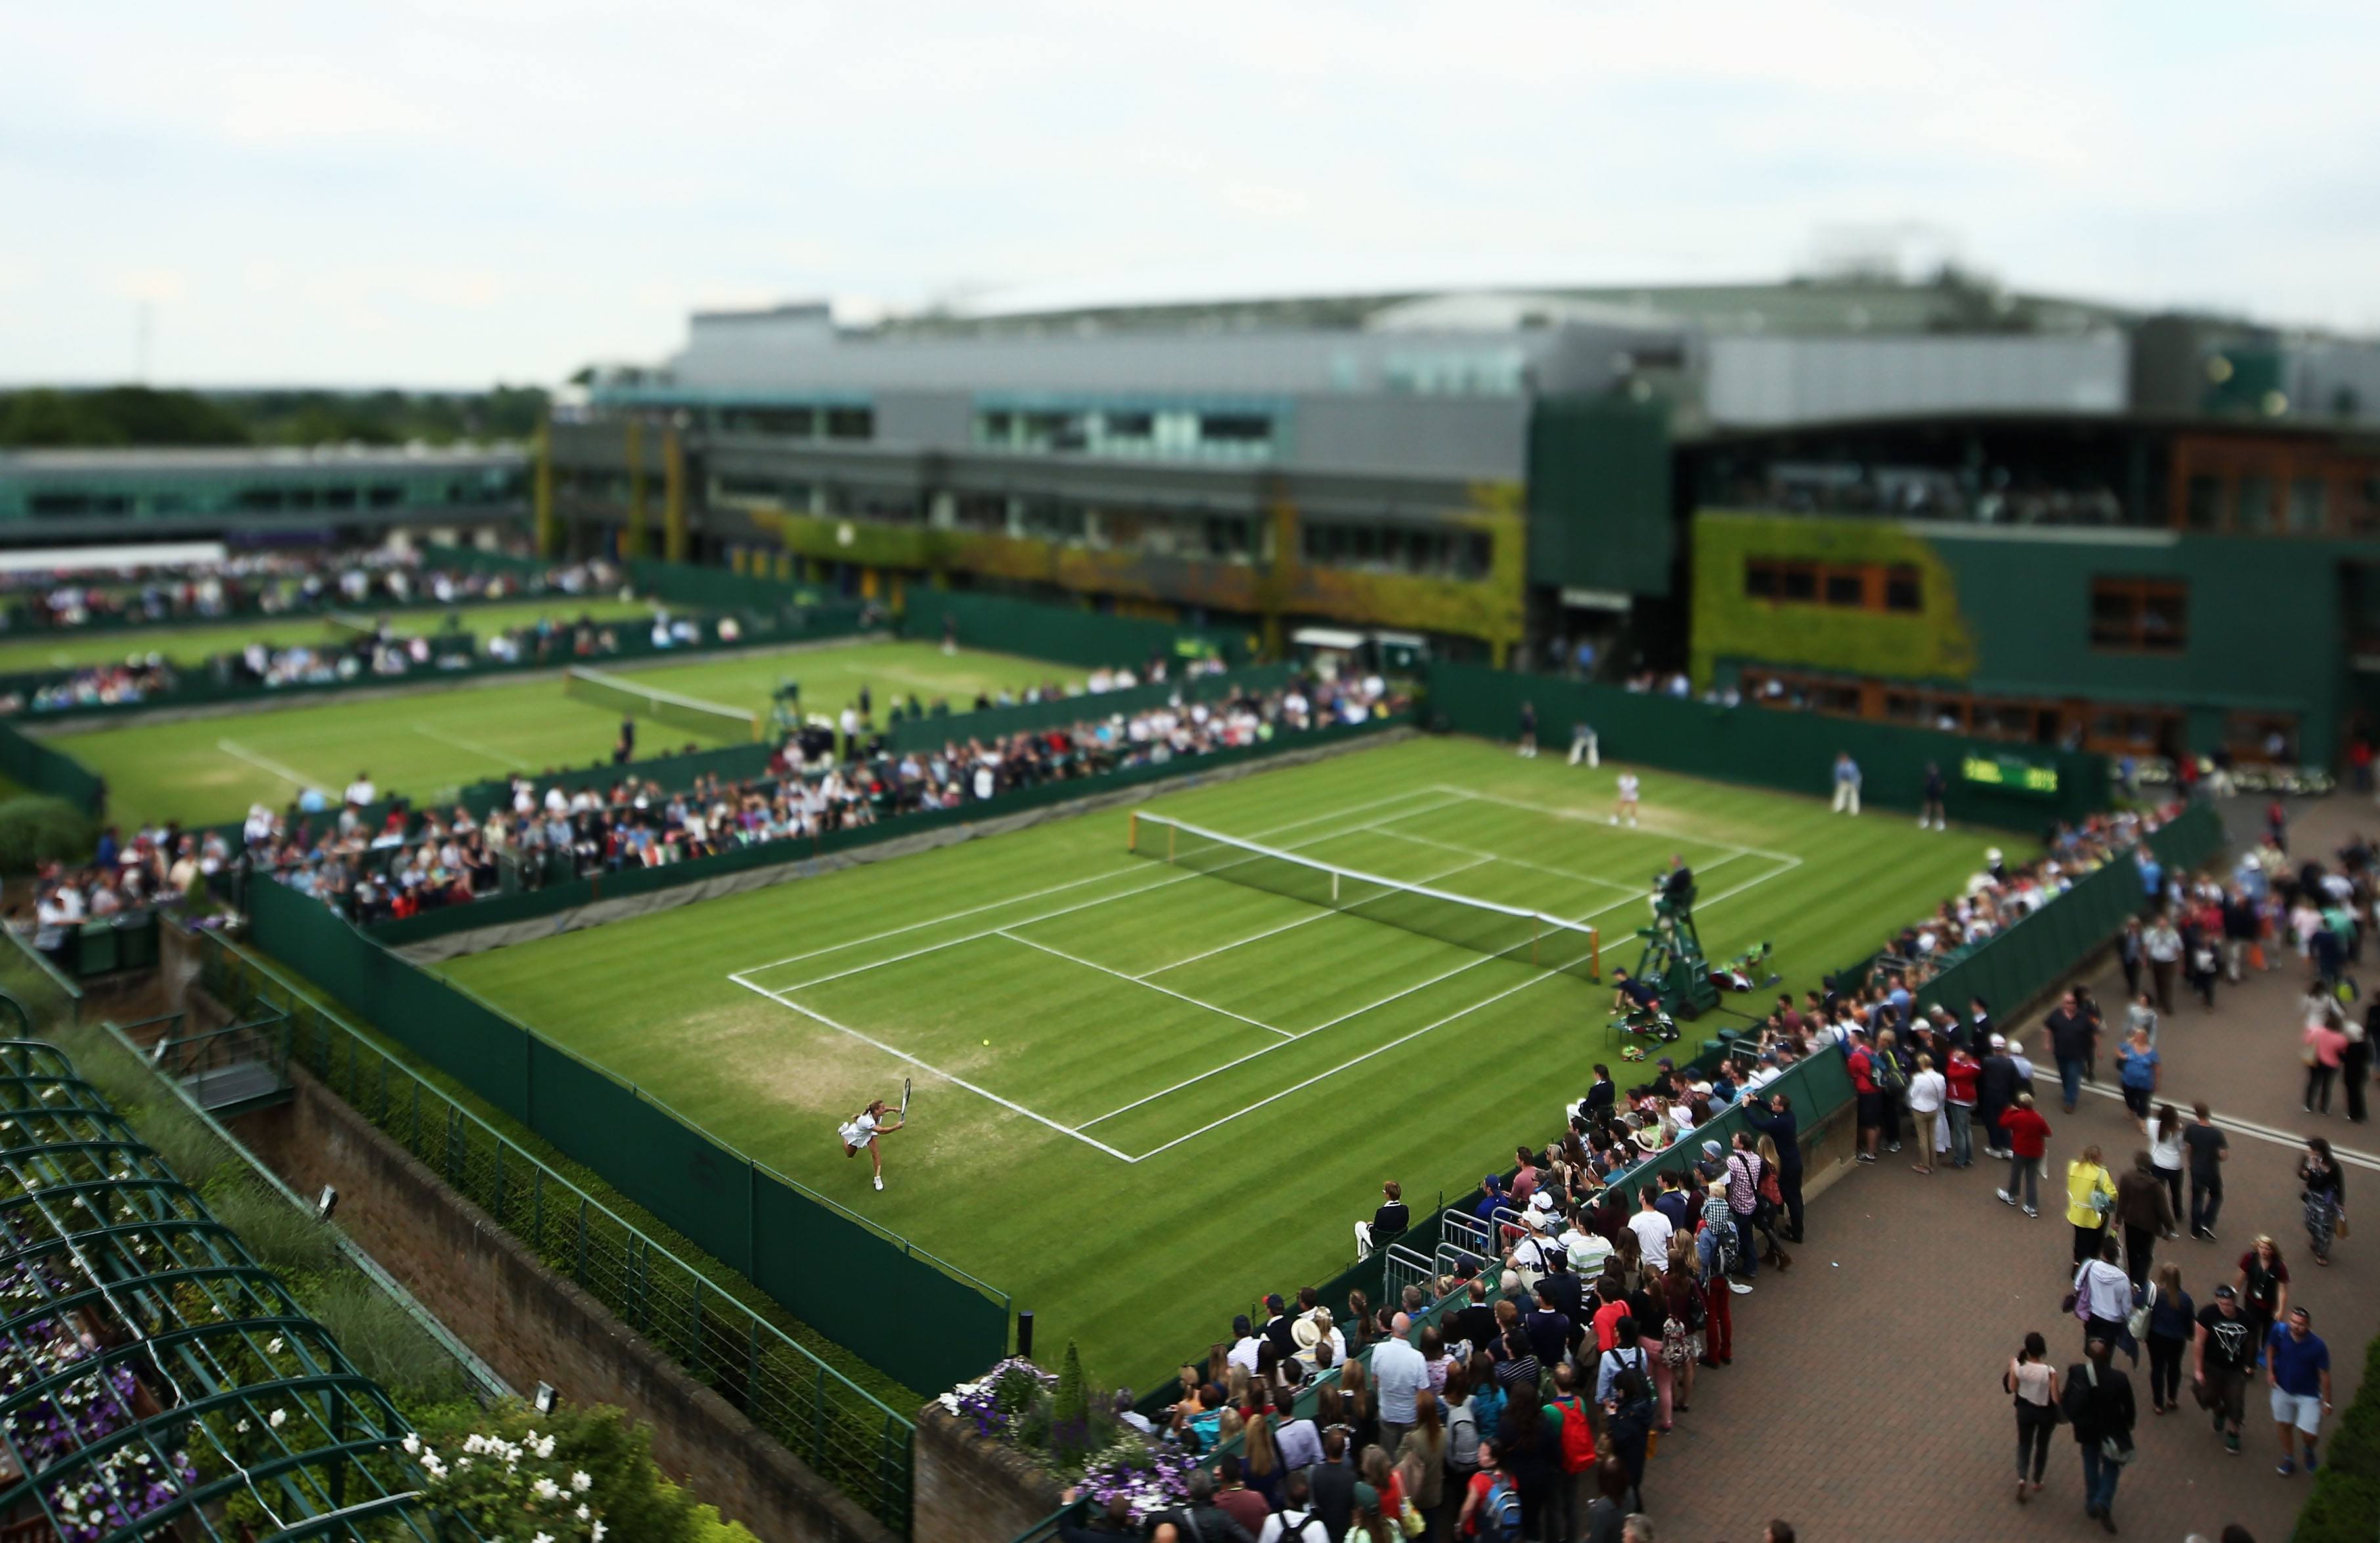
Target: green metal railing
column 860, row 1444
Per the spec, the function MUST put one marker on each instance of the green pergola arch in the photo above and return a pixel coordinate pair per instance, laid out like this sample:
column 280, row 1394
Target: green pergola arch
column 152, row 1373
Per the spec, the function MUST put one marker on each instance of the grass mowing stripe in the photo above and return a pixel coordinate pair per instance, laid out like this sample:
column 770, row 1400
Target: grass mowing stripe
column 1005, row 1197
column 1144, row 985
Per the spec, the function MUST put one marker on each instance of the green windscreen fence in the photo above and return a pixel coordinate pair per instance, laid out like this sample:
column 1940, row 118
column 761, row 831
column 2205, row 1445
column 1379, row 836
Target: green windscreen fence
column 934, row 730
column 1794, row 752
column 2018, row 965
column 1068, row 634
column 759, row 1222
column 718, row 589
column 27, row 760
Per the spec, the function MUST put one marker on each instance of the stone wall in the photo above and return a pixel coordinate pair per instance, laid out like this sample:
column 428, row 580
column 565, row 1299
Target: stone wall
column 971, row 1490
column 533, row 1326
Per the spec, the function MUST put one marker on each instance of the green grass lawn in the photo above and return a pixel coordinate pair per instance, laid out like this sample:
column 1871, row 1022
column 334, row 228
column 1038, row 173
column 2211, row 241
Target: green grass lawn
column 429, row 742
column 1145, row 1095
column 192, row 645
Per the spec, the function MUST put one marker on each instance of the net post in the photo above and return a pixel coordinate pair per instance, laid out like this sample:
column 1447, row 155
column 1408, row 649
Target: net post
column 1595, row 953
column 1537, row 935
column 1132, row 833
column 1169, row 844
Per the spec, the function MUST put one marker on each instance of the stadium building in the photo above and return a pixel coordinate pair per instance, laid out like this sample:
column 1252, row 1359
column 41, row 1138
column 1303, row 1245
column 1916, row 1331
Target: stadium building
column 2034, row 519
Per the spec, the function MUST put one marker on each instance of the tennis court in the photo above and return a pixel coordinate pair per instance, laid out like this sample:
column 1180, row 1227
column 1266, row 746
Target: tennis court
column 196, row 643
column 1148, row 1090
column 427, row 741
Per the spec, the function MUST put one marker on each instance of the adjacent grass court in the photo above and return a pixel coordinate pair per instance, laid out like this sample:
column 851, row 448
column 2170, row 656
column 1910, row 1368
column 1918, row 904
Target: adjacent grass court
column 430, row 741
column 193, row 645
column 1147, row 1094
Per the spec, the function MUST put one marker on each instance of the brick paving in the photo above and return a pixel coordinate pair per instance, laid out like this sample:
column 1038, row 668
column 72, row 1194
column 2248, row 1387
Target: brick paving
column 1865, row 1401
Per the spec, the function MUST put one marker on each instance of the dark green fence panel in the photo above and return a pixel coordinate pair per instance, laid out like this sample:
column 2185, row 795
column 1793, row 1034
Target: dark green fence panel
column 932, row 732
column 834, row 1271
column 26, row 760
column 799, row 1249
column 722, row 589
column 646, row 1153
column 555, row 899
column 1070, row 634
column 1795, row 751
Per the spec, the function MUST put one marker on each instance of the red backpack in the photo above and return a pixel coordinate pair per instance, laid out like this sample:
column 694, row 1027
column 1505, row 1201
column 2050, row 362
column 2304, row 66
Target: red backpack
column 1577, row 1436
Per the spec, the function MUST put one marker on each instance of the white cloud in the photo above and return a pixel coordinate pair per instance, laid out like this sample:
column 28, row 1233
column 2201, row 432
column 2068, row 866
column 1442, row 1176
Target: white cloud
column 438, row 191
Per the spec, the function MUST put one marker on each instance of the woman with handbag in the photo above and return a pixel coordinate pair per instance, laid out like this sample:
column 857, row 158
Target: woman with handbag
column 2324, row 1196
column 2032, row 1382
column 2098, row 1401
column 2090, row 1196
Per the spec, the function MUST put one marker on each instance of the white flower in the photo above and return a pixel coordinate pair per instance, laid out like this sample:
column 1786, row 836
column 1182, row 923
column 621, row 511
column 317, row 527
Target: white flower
column 273, row 1346
column 545, row 1488
column 542, row 1537
column 579, row 1481
column 584, row 1513
column 241, row 1428
column 597, row 1536
column 279, row 1416
column 412, row 1445
column 545, row 1448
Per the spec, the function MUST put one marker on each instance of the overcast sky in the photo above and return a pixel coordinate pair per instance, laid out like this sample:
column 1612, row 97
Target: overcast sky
column 436, row 192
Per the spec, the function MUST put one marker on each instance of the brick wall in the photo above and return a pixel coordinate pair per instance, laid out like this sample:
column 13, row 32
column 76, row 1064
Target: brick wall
column 970, row 1490
column 533, row 1326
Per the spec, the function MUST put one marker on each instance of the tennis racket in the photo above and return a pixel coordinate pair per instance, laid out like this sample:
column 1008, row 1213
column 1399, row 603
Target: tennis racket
column 904, row 1097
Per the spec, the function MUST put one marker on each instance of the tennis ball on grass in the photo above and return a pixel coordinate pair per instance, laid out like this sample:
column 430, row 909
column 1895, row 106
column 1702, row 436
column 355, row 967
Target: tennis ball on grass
column 987, row 1041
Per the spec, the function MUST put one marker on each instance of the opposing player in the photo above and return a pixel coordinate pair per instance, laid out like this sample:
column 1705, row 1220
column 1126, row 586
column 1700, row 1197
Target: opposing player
column 863, row 1128
column 1627, row 809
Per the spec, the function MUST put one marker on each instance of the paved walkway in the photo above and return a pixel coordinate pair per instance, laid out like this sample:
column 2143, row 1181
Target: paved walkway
column 1864, row 1399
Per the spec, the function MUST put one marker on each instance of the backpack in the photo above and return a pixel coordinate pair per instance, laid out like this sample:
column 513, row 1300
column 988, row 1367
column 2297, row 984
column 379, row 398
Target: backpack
column 1295, row 1532
column 1463, row 1439
column 1500, row 1516
column 1885, row 1070
column 1577, row 1439
column 1730, row 1246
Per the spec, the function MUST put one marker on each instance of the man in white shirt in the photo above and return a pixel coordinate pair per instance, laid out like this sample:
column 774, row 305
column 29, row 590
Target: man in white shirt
column 1244, row 1344
column 1398, row 1373
column 1652, row 1229
column 361, row 792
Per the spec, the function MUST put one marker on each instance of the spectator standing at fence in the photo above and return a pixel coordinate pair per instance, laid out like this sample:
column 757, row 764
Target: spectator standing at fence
column 2072, row 1033
column 2031, row 1382
column 1996, row 1092
column 1774, row 1119
column 2026, row 1137
column 1398, row 1373
column 1528, row 731
column 2131, row 954
column 2099, row 1403
column 1929, row 1091
column 1846, row 784
column 1961, row 1077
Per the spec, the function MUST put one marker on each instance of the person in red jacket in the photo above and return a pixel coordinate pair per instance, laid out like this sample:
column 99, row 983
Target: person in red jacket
column 1962, row 1072
column 2028, row 1139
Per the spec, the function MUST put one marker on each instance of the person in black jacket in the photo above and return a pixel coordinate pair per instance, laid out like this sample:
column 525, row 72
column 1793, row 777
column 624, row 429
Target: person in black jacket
column 1333, row 1483
column 1199, row 1516
column 1996, row 1092
column 2355, row 1062
column 1773, row 1117
column 2098, row 1401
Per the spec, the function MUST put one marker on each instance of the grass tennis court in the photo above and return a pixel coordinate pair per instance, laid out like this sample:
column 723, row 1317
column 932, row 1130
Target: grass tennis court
column 192, row 645
column 1145, row 1094
column 427, row 741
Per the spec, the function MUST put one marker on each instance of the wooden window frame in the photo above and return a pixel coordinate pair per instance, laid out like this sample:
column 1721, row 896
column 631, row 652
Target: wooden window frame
column 2136, row 636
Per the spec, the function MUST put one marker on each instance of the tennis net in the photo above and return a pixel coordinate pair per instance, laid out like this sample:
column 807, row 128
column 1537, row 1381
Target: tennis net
column 623, row 696
column 1505, row 931
column 348, row 628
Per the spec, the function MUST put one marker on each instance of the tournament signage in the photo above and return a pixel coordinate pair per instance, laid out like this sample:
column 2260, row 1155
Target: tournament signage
column 2010, row 774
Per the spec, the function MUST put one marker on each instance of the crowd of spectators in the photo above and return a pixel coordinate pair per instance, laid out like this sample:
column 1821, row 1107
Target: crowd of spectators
column 125, row 879
column 273, row 584
column 377, row 866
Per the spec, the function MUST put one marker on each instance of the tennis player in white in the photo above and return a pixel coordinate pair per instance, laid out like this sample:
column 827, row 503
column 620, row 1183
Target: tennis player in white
column 863, row 1128
column 1627, row 809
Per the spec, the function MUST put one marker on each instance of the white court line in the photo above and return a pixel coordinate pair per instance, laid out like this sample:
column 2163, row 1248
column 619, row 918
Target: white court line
column 1029, row 921
column 1306, row 921
column 1584, row 818
column 1353, row 1061
column 1144, row 985
column 1519, row 862
column 461, row 744
column 1055, row 888
column 935, row 1071
column 1383, row 1001
column 295, row 779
